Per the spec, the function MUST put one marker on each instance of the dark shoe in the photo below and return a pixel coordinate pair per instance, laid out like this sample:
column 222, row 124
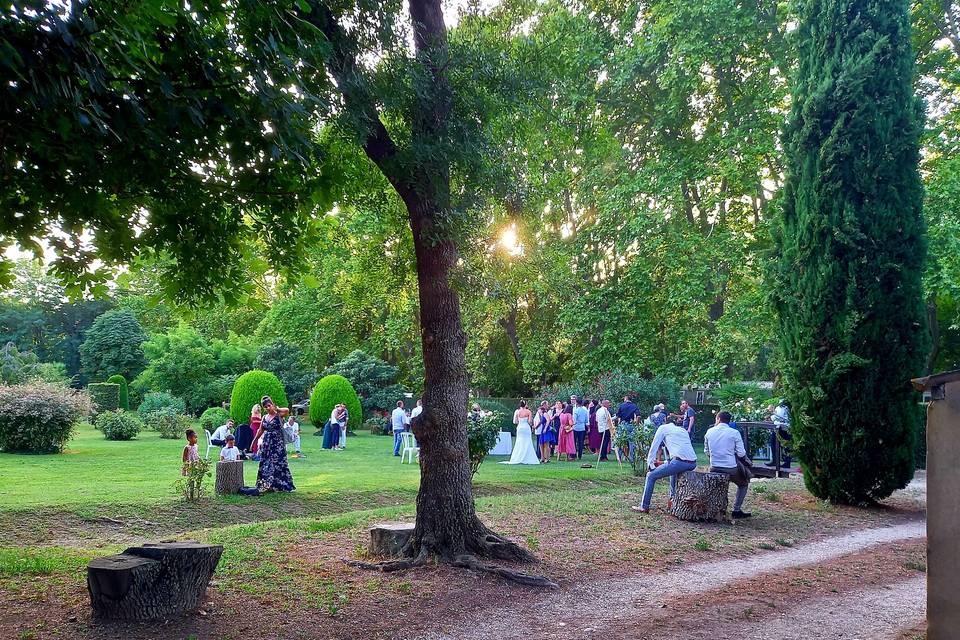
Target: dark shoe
column 740, row 515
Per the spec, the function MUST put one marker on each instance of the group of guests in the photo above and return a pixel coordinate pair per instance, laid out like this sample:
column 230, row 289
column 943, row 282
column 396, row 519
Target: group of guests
column 243, row 442
column 268, row 445
column 570, row 428
column 672, row 454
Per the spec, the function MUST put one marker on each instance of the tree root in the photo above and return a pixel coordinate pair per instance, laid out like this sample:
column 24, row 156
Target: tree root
column 487, row 544
column 528, row 579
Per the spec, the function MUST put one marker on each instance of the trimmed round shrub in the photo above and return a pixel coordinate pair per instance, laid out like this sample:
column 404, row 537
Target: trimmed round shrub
column 330, row 391
column 124, row 400
column 105, row 396
column 170, row 424
column 119, row 425
column 38, row 417
column 160, row 400
column 213, row 418
column 249, row 388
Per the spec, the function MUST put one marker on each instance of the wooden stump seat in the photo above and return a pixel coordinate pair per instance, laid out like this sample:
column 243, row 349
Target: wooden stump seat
column 701, row 496
column 229, row 477
column 156, row 580
column 389, row 538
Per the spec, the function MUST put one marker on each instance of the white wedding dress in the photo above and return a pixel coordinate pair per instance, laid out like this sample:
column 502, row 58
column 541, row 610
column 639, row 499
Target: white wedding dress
column 523, row 451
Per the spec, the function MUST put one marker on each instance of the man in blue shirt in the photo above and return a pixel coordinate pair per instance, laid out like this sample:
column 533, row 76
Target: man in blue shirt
column 626, row 412
column 399, row 422
column 581, row 416
column 688, row 417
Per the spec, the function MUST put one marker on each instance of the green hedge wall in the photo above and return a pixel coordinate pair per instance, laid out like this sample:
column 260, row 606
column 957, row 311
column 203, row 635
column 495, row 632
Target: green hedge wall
column 124, row 392
column 105, row 396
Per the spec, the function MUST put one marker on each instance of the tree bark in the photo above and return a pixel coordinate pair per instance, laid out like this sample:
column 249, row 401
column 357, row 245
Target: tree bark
column 701, row 496
column 152, row 581
column 229, row 477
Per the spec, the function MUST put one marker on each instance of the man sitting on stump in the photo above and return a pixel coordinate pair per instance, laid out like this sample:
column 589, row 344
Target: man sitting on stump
column 724, row 445
column 682, row 459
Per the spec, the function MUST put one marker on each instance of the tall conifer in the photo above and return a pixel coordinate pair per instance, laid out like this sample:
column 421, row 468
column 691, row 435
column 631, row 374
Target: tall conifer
column 851, row 248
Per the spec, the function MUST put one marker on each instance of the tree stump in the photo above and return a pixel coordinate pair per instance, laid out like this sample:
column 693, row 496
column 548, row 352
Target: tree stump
column 701, row 496
column 229, row 477
column 157, row 580
column 389, row 538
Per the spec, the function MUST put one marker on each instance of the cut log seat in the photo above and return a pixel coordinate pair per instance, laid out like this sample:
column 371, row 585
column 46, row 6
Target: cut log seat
column 156, row 580
column 701, row 496
column 389, row 538
column 229, row 477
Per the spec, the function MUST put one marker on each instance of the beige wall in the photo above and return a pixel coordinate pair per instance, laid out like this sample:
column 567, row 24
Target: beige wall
column 943, row 515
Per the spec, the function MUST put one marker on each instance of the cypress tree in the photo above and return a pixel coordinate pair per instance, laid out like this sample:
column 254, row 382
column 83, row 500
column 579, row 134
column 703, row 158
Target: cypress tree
column 850, row 250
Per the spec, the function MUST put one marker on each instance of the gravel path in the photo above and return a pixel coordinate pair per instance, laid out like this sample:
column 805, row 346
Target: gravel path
column 625, row 598
column 867, row 614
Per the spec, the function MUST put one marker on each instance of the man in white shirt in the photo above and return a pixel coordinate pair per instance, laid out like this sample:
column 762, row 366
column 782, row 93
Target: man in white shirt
column 605, row 427
column 417, row 410
column 399, row 422
column 724, row 445
column 292, row 429
column 219, row 437
column 682, row 459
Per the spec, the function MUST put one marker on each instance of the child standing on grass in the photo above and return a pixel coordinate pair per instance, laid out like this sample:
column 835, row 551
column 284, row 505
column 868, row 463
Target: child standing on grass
column 190, row 453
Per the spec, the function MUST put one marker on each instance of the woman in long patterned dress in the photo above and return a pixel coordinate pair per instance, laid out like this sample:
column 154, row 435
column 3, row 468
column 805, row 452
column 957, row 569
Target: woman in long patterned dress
column 274, row 473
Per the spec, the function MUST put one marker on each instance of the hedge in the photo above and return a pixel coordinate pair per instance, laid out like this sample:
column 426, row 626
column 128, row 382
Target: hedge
column 105, row 396
column 38, row 417
column 168, row 422
column 249, row 388
column 157, row 400
column 330, row 391
column 213, row 418
column 124, row 401
column 119, row 425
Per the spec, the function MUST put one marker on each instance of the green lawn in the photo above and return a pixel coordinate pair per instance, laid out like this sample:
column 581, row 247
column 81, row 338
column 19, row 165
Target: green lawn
column 94, row 473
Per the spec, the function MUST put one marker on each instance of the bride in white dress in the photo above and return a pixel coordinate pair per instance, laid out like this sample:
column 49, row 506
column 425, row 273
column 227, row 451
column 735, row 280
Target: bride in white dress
column 523, row 451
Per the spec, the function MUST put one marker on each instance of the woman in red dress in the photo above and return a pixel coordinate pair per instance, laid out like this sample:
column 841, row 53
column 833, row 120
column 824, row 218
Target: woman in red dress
column 255, row 420
column 567, row 444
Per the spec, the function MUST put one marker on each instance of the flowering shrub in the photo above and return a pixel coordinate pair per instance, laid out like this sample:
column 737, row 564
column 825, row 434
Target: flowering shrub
column 39, row 417
column 641, row 436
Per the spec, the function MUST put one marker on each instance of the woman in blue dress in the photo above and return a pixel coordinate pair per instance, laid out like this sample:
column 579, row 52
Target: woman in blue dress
column 274, row 473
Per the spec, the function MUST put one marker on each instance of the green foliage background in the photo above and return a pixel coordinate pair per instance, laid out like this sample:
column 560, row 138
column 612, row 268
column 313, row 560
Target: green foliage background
column 124, row 394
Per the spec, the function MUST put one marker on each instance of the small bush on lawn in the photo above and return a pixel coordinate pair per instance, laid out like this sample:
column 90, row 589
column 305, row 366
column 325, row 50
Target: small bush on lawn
column 119, row 425
column 160, row 400
column 168, row 422
column 378, row 425
column 481, row 437
column 249, row 388
column 105, row 396
column 213, row 418
column 38, row 417
column 124, row 400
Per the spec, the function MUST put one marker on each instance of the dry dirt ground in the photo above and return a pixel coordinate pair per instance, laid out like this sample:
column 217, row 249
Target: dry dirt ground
column 799, row 569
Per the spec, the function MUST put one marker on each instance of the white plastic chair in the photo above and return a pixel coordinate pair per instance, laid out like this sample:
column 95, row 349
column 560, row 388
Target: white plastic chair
column 408, row 446
column 210, row 445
